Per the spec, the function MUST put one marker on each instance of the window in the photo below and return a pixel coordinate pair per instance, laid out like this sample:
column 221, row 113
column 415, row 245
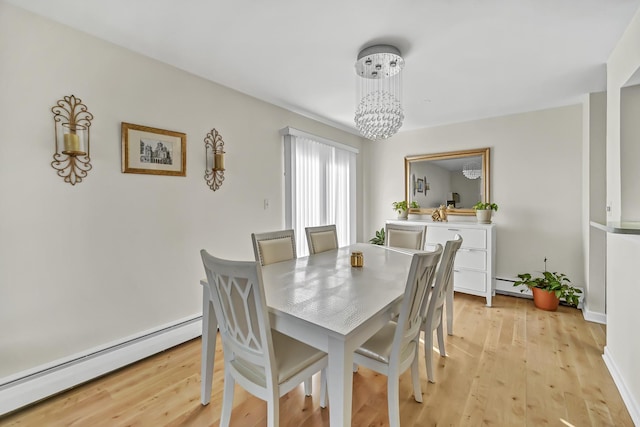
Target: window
column 320, row 186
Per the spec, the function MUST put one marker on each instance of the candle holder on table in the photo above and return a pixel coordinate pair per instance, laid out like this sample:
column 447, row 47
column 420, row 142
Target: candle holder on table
column 357, row 259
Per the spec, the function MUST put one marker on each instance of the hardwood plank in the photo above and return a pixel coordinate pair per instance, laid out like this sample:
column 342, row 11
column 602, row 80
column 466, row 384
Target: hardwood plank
column 507, row 365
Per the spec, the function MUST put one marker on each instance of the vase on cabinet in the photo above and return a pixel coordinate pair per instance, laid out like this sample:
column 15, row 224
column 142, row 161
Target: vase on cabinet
column 483, row 216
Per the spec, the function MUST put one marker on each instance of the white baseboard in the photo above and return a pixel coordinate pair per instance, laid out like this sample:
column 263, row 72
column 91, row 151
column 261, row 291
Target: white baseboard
column 632, row 406
column 38, row 384
column 594, row 316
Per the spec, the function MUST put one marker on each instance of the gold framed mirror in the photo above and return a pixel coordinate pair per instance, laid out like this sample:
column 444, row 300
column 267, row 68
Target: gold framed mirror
column 456, row 179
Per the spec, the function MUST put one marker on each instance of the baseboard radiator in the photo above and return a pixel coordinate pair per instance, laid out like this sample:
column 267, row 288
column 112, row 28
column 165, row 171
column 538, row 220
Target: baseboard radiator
column 504, row 286
column 39, row 383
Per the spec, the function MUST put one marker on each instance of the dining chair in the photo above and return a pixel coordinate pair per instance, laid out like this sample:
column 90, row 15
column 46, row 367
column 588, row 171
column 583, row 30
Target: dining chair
column 405, row 236
column 274, row 246
column 264, row 362
column 393, row 349
column 433, row 307
column 321, row 238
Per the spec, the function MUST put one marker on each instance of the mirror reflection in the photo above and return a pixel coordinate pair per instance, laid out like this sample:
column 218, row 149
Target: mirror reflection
column 457, row 179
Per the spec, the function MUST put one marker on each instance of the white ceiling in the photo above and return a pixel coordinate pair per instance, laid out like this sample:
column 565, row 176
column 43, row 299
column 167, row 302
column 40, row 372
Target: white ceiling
column 465, row 59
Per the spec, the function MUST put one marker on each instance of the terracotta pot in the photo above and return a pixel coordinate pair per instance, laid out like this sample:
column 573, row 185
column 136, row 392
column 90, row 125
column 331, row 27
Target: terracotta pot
column 545, row 300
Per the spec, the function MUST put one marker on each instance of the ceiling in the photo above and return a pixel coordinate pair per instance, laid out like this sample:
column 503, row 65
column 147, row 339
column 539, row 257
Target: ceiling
column 465, row 59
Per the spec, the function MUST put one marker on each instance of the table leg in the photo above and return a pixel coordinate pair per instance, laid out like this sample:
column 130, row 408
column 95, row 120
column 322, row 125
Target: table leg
column 340, row 382
column 209, row 329
column 449, row 303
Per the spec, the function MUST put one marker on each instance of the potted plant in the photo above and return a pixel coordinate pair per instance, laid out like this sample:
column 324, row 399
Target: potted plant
column 379, row 238
column 402, row 208
column 549, row 288
column 484, row 210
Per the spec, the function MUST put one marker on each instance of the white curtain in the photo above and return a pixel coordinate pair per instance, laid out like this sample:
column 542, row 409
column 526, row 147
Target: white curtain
column 320, row 186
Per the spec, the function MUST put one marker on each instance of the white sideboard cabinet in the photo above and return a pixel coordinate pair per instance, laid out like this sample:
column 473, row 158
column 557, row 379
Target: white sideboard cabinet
column 475, row 264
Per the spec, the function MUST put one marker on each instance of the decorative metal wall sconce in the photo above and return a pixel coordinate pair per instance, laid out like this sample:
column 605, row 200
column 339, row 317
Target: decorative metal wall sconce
column 214, row 151
column 72, row 121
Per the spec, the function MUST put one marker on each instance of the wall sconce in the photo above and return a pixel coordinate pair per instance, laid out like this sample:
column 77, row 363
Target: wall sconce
column 214, row 151
column 71, row 121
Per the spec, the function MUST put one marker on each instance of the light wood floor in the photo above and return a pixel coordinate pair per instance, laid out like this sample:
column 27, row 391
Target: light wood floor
column 509, row 365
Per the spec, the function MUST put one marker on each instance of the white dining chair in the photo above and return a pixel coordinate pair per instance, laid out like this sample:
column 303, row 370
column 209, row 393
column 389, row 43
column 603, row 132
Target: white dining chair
column 274, row 246
column 433, row 308
column 321, row 238
column 393, row 349
column 264, row 362
column 405, row 236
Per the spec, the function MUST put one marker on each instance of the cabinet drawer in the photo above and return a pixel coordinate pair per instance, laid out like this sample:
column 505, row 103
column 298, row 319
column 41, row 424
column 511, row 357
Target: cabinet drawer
column 471, row 237
column 471, row 258
column 471, row 280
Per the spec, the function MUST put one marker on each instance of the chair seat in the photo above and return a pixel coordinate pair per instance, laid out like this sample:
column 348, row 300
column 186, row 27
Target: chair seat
column 291, row 357
column 378, row 347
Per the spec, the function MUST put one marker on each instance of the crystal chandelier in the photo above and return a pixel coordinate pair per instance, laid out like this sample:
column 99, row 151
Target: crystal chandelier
column 379, row 112
column 472, row 170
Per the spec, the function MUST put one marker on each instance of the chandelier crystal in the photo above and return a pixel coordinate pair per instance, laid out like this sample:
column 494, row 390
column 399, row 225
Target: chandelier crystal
column 379, row 112
column 472, row 170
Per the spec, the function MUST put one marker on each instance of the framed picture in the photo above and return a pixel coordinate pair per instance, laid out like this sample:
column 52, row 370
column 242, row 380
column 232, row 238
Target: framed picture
column 420, row 185
column 153, row 151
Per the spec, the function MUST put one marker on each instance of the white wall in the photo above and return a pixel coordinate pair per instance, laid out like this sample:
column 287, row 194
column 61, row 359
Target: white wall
column 630, row 152
column 535, row 179
column 118, row 253
column 594, row 204
column 621, row 66
column 622, row 351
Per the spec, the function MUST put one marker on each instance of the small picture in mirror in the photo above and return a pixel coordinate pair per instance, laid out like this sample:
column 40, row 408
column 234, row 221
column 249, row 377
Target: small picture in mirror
column 420, row 185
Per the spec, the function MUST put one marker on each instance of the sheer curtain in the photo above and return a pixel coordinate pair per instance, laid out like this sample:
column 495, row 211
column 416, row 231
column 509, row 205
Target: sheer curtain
column 319, row 186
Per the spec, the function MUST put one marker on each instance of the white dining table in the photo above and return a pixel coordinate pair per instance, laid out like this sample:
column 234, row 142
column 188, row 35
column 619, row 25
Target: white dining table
column 325, row 302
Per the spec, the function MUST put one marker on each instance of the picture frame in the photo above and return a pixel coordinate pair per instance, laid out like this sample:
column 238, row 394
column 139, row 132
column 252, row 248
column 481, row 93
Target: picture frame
column 420, row 185
column 153, row 151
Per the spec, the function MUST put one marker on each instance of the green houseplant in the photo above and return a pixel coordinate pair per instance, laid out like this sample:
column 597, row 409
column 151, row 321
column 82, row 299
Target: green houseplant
column 549, row 288
column 484, row 211
column 378, row 239
column 402, row 208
